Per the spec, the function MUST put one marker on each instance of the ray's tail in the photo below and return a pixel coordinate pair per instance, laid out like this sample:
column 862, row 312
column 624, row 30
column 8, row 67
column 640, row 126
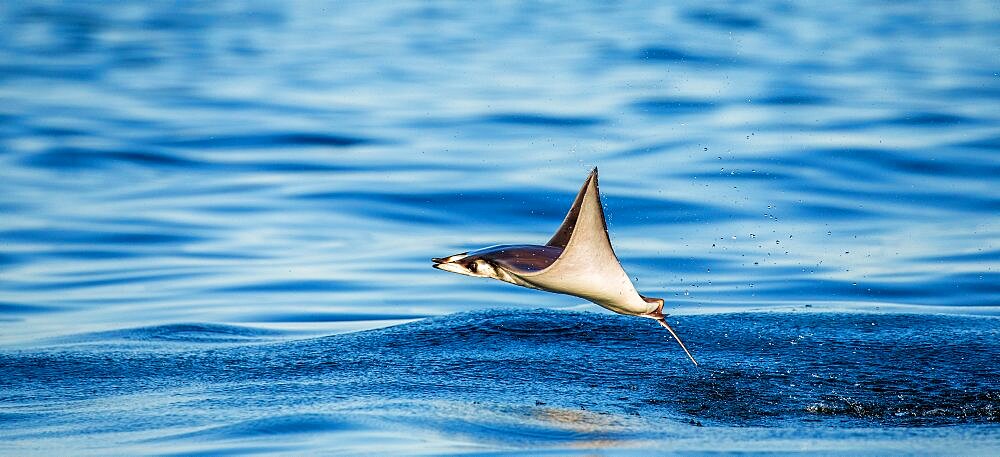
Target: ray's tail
column 663, row 322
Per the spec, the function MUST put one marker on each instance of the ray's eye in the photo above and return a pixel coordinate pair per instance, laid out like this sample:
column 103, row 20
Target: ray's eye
column 474, row 266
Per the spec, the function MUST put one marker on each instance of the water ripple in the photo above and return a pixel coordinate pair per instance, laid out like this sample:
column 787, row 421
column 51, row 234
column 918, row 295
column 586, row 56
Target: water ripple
column 176, row 333
column 257, row 141
column 542, row 120
column 671, row 106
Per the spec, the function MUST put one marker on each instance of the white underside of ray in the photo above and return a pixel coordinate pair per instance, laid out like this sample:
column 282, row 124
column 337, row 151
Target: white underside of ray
column 588, row 267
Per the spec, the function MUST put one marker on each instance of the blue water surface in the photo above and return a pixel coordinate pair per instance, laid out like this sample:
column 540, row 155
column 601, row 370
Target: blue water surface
column 217, row 219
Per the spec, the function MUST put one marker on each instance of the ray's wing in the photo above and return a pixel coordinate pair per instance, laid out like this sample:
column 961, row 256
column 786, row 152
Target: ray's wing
column 585, row 220
column 565, row 231
column 523, row 259
column 587, row 267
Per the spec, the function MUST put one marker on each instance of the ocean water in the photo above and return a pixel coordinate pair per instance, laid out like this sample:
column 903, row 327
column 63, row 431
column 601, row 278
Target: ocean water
column 217, row 219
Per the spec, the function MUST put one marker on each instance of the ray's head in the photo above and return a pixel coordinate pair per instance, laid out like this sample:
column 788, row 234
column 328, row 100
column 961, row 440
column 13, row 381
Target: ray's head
column 464, row 264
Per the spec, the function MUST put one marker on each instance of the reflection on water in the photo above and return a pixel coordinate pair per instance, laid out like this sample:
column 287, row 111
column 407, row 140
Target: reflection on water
column 188, row 190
